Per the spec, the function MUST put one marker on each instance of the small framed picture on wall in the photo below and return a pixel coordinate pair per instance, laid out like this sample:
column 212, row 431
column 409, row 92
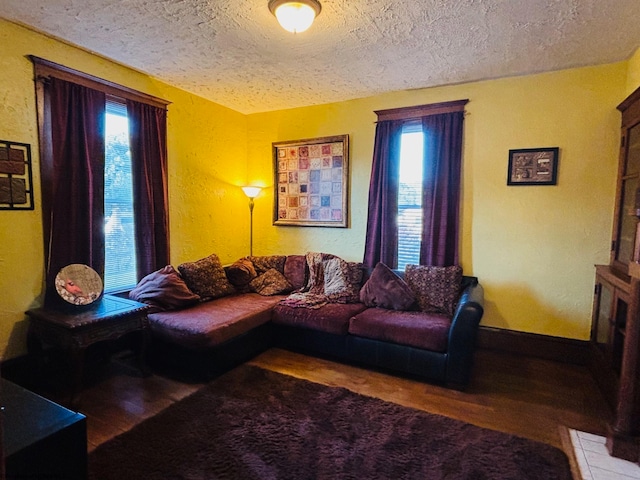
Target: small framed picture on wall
column 533, row 166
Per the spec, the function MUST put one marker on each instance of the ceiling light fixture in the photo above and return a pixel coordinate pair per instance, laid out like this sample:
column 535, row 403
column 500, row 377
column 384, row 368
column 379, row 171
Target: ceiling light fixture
column 295, row 16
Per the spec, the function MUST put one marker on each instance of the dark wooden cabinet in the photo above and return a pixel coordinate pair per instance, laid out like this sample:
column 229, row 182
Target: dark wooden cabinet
column 610, row 310
column 625, row 244
column 615, row 328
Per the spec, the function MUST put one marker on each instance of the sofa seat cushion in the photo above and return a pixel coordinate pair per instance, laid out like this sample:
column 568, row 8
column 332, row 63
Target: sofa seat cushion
column 330, row 318
column 212, row 323
column 424, row 330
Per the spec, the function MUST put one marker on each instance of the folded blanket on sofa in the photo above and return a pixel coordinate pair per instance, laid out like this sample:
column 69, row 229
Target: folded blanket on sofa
column 331, row 280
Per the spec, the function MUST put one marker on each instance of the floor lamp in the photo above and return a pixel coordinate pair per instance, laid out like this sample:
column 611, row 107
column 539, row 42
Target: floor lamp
column 251, row 192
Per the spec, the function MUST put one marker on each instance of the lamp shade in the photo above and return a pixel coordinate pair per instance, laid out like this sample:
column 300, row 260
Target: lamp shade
column 295, row 16
column 251, row 192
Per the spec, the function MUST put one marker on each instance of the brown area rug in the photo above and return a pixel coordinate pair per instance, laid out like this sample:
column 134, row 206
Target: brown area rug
column 256, row 424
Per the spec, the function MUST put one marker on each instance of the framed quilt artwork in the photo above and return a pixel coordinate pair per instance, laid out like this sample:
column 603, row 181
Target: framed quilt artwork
column 311, row 179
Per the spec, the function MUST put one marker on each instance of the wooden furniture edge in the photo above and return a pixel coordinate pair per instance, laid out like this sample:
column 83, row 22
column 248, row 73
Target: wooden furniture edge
column 568, row 449
column 559, row 349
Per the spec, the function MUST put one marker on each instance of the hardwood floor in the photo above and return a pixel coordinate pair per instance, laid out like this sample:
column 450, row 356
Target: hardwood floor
column 525, row 396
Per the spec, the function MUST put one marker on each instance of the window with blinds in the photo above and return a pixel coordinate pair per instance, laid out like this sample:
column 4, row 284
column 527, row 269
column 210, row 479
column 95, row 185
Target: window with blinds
column 410, row 196
column 120, row 253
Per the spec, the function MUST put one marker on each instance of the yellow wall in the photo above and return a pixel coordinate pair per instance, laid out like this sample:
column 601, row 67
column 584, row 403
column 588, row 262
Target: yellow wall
column 533, row 248
column 207, row 147
column 633, row 76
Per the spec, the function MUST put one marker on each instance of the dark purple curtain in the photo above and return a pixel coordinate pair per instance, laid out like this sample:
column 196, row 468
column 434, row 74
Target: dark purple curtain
column 441, row 188
column 148, row 138
column 74, row 217
column 381, row 244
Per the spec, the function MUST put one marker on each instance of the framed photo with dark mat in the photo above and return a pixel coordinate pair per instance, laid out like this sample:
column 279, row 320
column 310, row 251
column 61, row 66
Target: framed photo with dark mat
column 311, row 182
column 533, row 166
column 16, row 184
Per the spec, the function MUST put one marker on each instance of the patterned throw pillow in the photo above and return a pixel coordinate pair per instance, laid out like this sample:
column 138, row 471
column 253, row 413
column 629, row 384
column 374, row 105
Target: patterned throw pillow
column 385, row 289
column 241, row 272
column 436, row 288
column 206, row 278
column 271, row 282
column 267, row 262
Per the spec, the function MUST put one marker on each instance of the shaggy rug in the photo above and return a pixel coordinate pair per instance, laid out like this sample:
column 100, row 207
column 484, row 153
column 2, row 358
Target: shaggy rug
column 256, row 424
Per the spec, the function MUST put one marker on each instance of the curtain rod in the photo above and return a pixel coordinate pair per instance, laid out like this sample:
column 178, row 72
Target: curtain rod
column 46, row 69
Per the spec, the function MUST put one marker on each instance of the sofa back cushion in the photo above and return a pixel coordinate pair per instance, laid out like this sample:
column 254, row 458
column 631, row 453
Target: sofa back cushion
column 295, row 271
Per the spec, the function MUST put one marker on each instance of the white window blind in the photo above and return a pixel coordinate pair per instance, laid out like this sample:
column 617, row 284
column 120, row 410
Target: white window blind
column 410, row 196
column 120, row 253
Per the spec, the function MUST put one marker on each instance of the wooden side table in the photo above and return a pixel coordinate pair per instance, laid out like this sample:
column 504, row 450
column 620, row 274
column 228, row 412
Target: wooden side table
column 75, row 329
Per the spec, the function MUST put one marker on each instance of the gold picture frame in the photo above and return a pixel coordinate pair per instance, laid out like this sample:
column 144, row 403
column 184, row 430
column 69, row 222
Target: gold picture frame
column 311, row 179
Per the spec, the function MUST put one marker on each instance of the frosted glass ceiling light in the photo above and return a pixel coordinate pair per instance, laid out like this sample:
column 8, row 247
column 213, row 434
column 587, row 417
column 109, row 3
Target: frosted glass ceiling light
column 295, row 16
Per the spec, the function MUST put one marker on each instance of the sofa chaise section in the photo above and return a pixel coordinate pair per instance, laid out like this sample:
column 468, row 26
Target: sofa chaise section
column 213, row 323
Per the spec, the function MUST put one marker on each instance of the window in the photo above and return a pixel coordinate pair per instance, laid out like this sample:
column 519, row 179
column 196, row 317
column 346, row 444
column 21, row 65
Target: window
column 101, row 146
column 413, row 215
column 119, row 228
column 410, row 196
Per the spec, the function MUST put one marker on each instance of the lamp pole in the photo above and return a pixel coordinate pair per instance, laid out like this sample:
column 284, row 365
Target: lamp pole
column 251, row 226
column 251, row 192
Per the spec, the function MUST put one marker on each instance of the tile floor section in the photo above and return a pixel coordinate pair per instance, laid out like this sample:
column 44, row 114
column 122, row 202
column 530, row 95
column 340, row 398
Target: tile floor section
column 595, row 462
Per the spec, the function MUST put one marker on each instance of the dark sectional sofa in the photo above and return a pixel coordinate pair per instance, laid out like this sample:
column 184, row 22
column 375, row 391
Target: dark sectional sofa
column 199, row 337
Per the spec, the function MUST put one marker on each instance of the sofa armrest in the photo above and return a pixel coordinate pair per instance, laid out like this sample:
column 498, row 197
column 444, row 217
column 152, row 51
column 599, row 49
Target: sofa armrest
column 463, row 332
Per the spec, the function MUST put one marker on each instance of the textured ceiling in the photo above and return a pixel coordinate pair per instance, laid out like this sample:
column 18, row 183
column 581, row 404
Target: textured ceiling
column 234, row 53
